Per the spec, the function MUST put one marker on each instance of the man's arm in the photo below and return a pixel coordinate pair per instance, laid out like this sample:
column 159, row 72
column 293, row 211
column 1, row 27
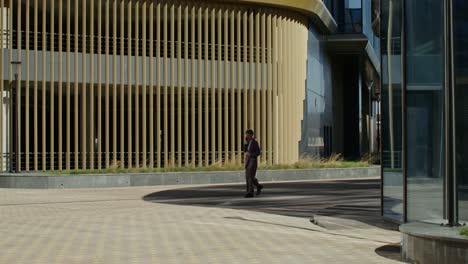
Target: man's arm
column 255, row 149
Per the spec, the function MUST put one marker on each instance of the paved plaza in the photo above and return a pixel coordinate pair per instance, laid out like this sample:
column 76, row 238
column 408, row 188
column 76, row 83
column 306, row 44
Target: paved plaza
column 130, row 225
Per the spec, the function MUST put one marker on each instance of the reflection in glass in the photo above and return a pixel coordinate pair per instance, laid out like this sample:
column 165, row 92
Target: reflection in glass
column 392, row 110
column 318, row 117
column 461, row 102
column 425, row 109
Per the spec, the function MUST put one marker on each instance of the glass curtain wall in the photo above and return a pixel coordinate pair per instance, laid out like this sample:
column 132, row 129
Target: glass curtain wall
column 425, row 109
column 417, row 188
column 392, row 111
column 460, row 34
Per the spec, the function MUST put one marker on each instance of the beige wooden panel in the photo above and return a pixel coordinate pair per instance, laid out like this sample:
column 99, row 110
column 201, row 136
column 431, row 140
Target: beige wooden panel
column 179, row 85
column 60, row 87
column 213, row 85
column 129, row 85
column 18, row 91
column 291, row 92
column 75, row 90
column 240, row 126
column 285, row 90
column 10, row 58
column 151, row 84
column 44, row 78
column 263, row 87
column 219, row 89
column 200, row 88
column 122, row 85
column 226, row 88
column 269, row 90
column 35, row 102
column 206, row 88
column 2, row 77
column 288, row 92
column 165, row 82
column 232, row 47
column 26, row 89
column 68, row 111
column 84, row 91
column 99, row 87
column 91, row 88
column 114, row 81
column 172, row 85
column 258, row 82
column 52, row 89
column 281, row 81
column 136, row 86
column 251, row 106
column 275, row 91
column 193, row 121
column 245, row 109
column 186, row 84
column 143, row 86
column 294, row 78
column 158, row 87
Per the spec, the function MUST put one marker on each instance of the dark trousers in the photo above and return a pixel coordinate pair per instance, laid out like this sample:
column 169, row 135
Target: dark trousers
column 250, row 173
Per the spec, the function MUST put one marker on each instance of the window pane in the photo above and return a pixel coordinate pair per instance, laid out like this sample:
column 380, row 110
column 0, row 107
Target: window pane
column 392, row 110
column 425, row 109
column 461, row 90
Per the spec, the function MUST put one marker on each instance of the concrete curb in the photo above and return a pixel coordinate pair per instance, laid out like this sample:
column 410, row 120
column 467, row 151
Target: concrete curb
column 44, row 181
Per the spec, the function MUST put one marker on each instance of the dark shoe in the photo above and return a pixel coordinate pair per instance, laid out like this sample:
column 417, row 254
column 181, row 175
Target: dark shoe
column 259, row 189
column 249, row 195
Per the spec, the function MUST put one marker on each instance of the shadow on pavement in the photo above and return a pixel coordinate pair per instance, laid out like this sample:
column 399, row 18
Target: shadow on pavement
column 346, row 199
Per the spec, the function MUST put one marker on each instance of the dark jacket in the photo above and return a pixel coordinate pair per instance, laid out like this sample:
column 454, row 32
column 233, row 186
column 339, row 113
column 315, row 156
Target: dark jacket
column 253, row 150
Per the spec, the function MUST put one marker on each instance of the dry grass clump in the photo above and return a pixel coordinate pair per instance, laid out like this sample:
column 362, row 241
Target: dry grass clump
column 334, row 161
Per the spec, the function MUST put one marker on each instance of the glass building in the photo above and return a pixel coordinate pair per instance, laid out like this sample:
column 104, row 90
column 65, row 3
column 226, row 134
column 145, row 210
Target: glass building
column 424, row 82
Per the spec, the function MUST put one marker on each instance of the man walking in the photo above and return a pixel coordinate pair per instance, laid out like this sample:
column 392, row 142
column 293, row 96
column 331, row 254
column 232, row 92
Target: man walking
column 252, row 151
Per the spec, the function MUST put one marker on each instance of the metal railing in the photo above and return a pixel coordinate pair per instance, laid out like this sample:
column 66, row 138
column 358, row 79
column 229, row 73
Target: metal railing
column 84, row 42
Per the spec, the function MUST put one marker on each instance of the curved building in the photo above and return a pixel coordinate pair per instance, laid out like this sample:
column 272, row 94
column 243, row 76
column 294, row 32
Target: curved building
column 138, row 83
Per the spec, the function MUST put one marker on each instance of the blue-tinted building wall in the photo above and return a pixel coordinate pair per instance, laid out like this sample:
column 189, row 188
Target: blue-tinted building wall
column 339, row 114
column 318, row 116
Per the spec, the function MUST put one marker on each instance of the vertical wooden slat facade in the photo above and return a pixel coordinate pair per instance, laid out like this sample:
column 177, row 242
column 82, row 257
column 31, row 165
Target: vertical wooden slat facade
column 26, row 91
column 129, row 84
column 179, row 85
column 152, row 76
column 200, row 88
column 165, row 84
column 99, row 88
column 158, row 85
column 192, row 87
column 68, row 96
column 2, row 76
column 91, row 87
column 136, row 88
column 213, row 72
column 172, row 43
column 18, row 91
column 84, row 93
column 186, row 87
column 206, row 86
column 114, row 83
column 143, row 86
column 151, row 83
column 44, row 81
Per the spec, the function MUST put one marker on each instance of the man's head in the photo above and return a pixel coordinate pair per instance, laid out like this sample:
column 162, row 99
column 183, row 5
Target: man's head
column 249, row 134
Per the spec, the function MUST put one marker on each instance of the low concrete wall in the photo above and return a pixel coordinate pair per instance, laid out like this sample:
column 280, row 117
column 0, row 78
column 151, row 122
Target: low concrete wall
column 433, row 244
column 45, row 181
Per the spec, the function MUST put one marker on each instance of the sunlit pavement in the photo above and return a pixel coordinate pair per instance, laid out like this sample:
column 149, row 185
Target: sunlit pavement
column 138, row 225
